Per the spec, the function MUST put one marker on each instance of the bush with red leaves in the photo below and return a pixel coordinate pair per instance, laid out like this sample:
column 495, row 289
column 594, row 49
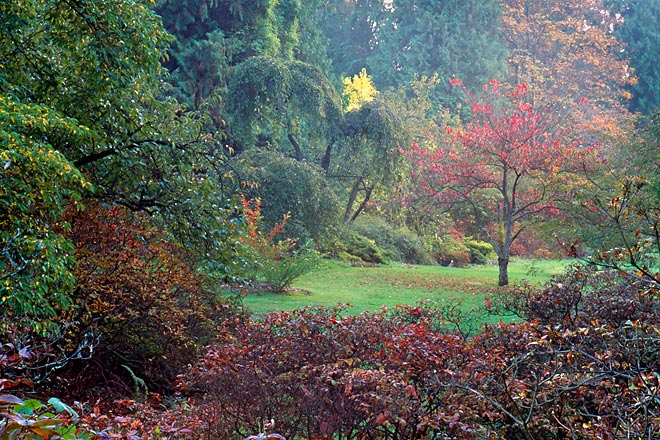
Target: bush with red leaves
column 321, row 376
column 141, row 313
column 402, row 375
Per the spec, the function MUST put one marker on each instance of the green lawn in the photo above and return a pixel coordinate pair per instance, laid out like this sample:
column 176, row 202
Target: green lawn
column 370, row 288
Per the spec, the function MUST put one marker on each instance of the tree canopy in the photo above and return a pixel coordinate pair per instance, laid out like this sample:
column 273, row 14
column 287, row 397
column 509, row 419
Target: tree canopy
column 369, row 156
column 161, row 160
column 566, row 52
column 505, row 166
column 637, row 28
column 71, row 76
column 213, row 36
column 397, row 40
column 290, row 106
column 83, row 106
column 35, row 183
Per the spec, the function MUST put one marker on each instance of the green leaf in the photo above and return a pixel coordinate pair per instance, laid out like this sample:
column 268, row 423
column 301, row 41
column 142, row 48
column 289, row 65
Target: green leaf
column 61, row 406
column 28, row 407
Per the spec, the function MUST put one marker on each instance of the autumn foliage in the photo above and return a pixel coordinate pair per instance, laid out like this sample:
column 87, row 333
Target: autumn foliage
column 118, row 204
column 581, row 361
column 583, row 366
column 141, row 312
column 139, row 295
column 567, row 52
column 508, row 167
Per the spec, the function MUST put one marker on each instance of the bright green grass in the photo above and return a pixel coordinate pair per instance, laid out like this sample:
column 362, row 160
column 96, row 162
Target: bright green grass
column 371, row 288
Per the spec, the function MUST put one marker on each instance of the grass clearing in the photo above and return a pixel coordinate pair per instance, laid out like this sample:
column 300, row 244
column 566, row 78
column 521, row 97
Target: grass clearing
column 371, row 288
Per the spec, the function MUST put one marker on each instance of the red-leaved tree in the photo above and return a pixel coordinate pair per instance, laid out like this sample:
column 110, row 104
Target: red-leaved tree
column 508, row 167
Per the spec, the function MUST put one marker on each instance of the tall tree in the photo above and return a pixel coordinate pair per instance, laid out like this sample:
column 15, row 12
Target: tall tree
column 566, row 51
column 638, row 30
column 349, row 27
column 71, row 75
column 505, row 167
column 449, row 38
column 290, row 106
column 426, row 124
column 213, row 36
column 400, row 39
column 81, row 94
column 368, row 157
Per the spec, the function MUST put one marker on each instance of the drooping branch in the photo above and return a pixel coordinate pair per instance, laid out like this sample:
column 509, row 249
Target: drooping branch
column 111, row 151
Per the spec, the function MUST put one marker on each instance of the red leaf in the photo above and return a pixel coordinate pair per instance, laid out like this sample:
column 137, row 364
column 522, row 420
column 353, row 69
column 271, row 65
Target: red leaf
column 381, row 418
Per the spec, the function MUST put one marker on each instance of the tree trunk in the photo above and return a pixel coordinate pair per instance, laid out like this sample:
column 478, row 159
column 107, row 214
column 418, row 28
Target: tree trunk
column 325, row 162
column 503, row 263
column 351, row 200
column 367, row 197
column 296, row 147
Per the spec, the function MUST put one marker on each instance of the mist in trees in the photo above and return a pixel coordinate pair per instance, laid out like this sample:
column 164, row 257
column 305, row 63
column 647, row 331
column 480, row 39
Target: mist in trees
column 638, row 32
column 171, row 118
column 152, row 152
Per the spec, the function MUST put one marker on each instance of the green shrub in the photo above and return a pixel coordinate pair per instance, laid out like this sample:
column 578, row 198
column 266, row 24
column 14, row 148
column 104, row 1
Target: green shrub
column 404, row 245
column 287, row 263
column 365, row 249
column 448, row 250
column 336, row 249
column 32, row 419
column 286, row 186
column 480, row 251
column 274, row 262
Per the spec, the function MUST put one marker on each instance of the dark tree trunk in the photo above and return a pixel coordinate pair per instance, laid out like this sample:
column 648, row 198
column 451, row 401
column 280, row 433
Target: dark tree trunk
column 503, row 263
column 367, row 197
column 296, row 146
column 325, row 162
column 351, row 199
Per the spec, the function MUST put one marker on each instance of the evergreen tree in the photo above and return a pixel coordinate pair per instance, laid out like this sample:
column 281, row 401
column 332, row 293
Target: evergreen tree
column 400, row 39
column 213, row 36
column 640, row 32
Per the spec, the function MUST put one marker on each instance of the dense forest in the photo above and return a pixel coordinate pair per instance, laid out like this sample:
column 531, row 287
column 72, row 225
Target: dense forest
column 156, row 157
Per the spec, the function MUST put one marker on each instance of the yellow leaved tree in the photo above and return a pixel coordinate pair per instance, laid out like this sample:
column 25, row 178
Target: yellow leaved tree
column 358, row 90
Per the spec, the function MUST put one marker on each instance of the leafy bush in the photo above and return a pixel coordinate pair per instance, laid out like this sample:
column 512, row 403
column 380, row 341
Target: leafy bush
column 580, row 297
column 279, row 270
column 404, row 245
column 275, row 262
column 37, row 182
column 448, row 250
column 598, row 332
column 480, row 251
column 139, row 304
column 32, row 419
column 286, row 186
column 365, row 249
column 405, row 375
column 321, row 375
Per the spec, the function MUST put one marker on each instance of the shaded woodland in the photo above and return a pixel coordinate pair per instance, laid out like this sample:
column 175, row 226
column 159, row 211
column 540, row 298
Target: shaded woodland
column 156, row 155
